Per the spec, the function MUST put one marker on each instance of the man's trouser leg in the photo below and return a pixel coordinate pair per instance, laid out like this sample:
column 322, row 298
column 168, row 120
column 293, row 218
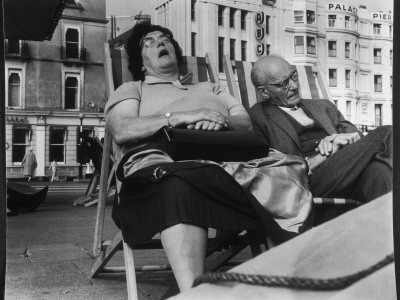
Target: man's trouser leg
column 342, row 174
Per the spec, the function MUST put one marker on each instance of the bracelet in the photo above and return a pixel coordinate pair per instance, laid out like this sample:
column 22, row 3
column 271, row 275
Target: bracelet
column 168, row 116
column 307, row 159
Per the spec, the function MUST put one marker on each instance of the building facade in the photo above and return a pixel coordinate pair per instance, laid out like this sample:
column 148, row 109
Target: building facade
column 350, row 44
column 55, row 90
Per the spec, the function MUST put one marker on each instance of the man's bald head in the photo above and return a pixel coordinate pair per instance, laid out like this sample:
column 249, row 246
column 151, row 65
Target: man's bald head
column 269, row 69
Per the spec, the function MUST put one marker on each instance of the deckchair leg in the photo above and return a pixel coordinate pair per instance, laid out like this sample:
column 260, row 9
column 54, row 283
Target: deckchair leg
column 130, row 272
column 107, row 254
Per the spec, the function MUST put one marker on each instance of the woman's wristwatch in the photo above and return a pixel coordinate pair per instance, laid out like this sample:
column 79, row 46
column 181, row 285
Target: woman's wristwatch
column 168, row 116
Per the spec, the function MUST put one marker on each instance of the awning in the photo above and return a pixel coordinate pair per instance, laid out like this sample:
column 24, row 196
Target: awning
column 32, row 20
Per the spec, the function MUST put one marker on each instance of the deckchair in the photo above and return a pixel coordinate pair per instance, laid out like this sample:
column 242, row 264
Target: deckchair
column 313, row 86
column 234, row 241
column 95, row 149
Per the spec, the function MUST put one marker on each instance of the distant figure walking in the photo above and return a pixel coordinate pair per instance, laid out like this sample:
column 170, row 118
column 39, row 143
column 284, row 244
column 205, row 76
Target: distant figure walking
column 29, row 163
column 54, row 171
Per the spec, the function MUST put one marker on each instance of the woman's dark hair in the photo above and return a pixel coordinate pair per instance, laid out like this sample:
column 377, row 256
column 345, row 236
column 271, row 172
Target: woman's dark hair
column 134, row 49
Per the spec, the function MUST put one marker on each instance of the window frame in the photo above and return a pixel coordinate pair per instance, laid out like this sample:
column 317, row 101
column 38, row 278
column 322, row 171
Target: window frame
column 20, row 69
column 332, row 52
column 232, row 49
column 377, row 84
column 311, row 49
column 221, row 41
column 347, row 76
column 310, row 13
column 64, row 131
column 79, row 76
column 301, row 15
column 332, row 20
column 296, row 45
column 347, row 47
column 333, row 79
column 25, row 145
column 243, row 20
column 232, row 13
column 243, row 48
column 220, row 15
column 377, row 56
column 193, row 41
column 376, row 28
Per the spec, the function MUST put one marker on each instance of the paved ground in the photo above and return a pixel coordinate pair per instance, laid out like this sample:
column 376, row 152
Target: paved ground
column 49, row 253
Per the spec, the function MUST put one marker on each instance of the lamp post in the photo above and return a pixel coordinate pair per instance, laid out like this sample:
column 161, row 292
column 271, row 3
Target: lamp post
column 81, row 116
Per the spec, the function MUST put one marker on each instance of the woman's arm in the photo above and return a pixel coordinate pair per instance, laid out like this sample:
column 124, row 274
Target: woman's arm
column 127, row 127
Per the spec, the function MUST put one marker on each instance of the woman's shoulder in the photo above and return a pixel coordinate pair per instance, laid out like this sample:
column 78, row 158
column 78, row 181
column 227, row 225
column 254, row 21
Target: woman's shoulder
column 130, row 89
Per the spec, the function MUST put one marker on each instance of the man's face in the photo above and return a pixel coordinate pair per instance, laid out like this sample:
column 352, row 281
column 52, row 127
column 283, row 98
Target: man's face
column 283, row 85
column 158, row 54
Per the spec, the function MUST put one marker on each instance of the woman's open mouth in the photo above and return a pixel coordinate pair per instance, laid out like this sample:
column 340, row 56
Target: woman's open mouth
column 163, row 52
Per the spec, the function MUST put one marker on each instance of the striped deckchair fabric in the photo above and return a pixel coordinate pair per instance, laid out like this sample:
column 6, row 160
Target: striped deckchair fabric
column 335, row 201
column 197, row 66
column 312, row 82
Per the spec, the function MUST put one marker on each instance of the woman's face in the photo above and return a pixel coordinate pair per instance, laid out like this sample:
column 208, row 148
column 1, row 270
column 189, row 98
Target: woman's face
column 158, row 54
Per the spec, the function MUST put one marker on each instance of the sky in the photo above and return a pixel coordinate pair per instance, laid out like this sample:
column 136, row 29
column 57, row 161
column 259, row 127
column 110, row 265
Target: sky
column 128, row 7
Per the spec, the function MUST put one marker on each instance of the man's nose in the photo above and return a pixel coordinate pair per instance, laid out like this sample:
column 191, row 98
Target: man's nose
column 293, row 84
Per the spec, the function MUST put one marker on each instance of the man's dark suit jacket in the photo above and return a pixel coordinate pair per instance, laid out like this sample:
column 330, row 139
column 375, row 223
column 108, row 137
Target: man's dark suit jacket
column 272, row 123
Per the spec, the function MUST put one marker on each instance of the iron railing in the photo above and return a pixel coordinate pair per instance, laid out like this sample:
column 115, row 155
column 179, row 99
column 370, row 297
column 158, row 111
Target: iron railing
column 16, row 48
column 73, row 53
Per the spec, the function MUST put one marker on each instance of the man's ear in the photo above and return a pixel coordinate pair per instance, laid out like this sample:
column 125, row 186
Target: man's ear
column 263, row 91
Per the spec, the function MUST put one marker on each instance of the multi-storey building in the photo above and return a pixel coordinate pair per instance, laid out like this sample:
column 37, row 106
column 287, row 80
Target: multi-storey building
column 350, row 44
column 55, row 90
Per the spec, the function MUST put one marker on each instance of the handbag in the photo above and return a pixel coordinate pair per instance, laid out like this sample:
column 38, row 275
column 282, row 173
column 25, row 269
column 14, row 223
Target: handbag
column 280, row 184
column 186, row 144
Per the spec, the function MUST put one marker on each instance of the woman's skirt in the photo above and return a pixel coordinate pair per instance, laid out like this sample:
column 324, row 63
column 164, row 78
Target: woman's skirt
column 160, row 196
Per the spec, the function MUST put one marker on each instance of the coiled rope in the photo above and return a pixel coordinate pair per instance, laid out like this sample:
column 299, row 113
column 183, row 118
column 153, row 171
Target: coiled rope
column 293, row 282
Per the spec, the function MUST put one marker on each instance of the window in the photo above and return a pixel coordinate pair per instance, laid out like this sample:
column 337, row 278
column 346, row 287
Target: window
column 57, row 144
column 299, row 45
column 244, row 50
column 391, row 82
column 377, row 56
column 348, row 110
column 193, row 41
column 355, row 52
column 378, row 115
column 72, row 43
column 347, row 49
column 268, row 48
column 377, row 29
column 356, row 80
column 232, row 17
column 232, row 44
column 266, row 24
column 243, row 17
column 335, row 102
column 14, row 88
column 332, row 48
column 311, row 45
column 220, row 54
column 221, row 15
column 390, row 30
column 347, row 22
column 391, row 57
column 299, row 16
column 332, row 77
column 310, row 17
column 193, row 11
column 71, row 91
column 355, row 24
column 14, row 46
column 347, row 76
column 378, row 83
column 20, row 143
column 331, row 20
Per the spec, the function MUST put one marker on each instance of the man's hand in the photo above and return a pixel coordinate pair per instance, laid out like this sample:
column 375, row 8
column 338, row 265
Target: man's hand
column 205, row 125
column 331, row 144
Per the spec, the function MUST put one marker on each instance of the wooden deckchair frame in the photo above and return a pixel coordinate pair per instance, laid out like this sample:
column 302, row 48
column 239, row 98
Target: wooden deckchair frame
column 104, row 250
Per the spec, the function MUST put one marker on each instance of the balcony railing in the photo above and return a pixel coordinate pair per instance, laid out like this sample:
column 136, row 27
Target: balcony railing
column 72, row 53
column 16, row 48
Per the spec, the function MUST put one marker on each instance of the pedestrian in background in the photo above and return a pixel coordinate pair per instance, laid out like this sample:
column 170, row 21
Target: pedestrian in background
column 54, row 171
column 29, row 163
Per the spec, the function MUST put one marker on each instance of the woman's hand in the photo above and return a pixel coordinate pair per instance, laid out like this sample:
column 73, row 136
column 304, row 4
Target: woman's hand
column 205, row 125
column 190, row 118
